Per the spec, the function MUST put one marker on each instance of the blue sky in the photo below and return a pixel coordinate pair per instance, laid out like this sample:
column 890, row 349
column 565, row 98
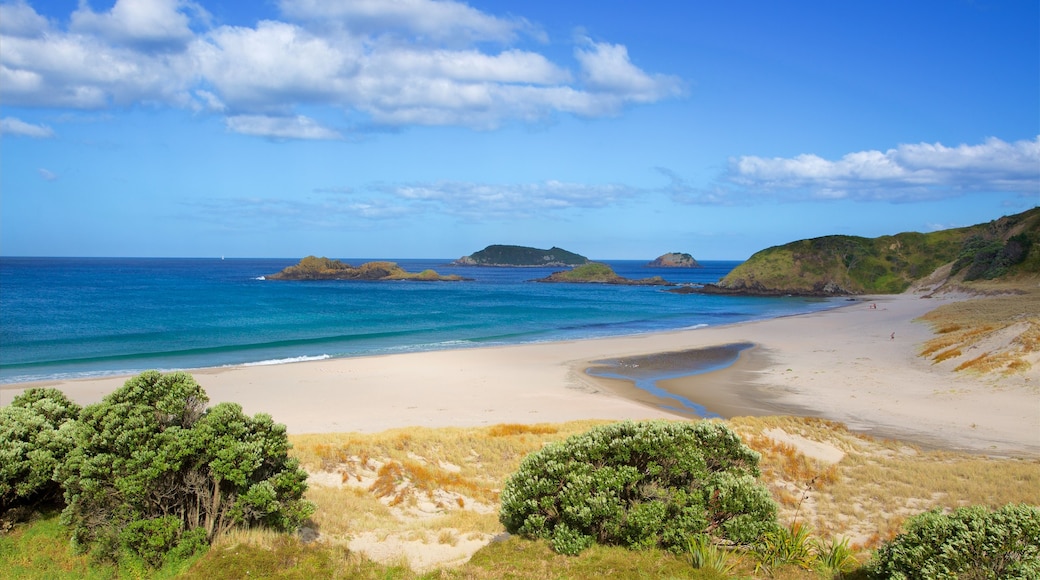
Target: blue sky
column 427, row 128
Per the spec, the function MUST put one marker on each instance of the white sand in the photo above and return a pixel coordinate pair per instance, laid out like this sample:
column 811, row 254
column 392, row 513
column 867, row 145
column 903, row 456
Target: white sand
column 841, row 364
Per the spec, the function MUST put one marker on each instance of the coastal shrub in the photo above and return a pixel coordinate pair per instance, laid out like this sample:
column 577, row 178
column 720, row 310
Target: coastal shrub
column 640, row 485
column 153, row 470
column 970, row 542
column 35, row 436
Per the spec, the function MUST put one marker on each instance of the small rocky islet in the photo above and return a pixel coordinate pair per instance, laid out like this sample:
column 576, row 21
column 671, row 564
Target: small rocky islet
column 315, row 268
column 674, row 260
column 598, row 273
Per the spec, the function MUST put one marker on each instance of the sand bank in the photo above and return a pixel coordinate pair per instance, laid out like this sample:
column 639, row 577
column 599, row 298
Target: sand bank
column 854, row 364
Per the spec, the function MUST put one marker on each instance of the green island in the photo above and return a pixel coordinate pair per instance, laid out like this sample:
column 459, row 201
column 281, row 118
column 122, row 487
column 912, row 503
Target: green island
column 849, row 265
column 674, row 260
column 522, row 257
column 599, row 273
column 314, row 268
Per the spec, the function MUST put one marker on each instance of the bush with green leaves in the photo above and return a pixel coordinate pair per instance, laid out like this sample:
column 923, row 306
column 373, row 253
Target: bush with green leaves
column 640, row 485
column 35, row 436
column 970, row 542
column 154, row 471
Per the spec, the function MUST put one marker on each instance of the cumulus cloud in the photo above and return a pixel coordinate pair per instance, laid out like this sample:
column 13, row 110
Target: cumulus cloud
column 910, row 172
column 145, row 23
column 389, row 64
column 608, row 69
column 13, row 126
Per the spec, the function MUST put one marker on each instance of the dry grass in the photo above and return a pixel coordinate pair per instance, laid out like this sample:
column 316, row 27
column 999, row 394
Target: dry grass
column 418, row 481
column 442, row 485
column 878, row 483
column 994, row 334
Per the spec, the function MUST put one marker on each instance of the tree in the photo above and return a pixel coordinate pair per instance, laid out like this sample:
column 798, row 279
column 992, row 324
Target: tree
column 641, row 485
column 35, row 436
column 153, row 469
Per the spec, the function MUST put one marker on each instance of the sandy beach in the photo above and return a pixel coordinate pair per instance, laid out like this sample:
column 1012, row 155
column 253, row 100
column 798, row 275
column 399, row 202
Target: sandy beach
column 856, row 364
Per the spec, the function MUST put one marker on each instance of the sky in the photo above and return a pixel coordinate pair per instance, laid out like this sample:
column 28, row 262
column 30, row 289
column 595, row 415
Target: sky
column 433, row 128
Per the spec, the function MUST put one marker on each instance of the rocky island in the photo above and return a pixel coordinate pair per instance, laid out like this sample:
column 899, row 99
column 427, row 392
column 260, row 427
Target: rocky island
column 597, row 273
column 522, row 257
column 674, row 260
column 314, row 268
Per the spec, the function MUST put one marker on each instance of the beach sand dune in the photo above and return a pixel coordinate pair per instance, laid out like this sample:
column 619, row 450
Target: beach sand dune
column 856, row 364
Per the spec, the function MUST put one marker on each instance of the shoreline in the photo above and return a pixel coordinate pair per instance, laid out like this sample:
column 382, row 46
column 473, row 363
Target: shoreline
column 841, row 364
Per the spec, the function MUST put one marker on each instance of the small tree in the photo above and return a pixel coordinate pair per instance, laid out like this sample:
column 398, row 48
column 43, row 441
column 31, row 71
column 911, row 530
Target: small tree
column 153, row 470
column 35, row 436
column 970, row 542
column 639, row 485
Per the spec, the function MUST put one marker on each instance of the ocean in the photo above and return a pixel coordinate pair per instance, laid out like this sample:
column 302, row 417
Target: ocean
column 65, row 318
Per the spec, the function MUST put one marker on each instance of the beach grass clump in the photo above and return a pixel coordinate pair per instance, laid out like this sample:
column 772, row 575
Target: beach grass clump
column 640, row 485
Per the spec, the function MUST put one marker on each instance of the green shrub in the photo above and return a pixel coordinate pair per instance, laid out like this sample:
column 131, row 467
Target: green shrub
column 152, row 466
column 35, row 436
column 971, row 542
column 640, row 485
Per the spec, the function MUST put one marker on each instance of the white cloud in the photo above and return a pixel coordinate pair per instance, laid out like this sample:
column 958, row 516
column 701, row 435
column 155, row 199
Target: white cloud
column 490, row 201
column 298, row 127
column 13, row 126
column 47, row 174
column 607, row 69
column 19, row 19
column 906, row 173
column 432, row 20
column 382, row 63
column 147, row 23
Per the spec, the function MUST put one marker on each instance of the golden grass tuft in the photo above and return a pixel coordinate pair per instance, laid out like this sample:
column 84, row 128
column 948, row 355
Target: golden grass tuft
column 947, row 354
column 509, row 429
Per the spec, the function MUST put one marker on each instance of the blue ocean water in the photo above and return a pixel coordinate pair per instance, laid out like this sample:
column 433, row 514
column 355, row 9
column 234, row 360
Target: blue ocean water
column 81, row 317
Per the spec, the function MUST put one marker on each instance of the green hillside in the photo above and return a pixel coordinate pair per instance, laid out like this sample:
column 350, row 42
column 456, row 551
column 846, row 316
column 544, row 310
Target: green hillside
column 835, row 265
column 501, row 255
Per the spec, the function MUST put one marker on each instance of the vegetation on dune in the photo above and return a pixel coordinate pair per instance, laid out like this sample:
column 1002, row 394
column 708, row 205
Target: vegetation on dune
column 970, row 542
column 149, row 472
column 522, row 256
column 314, row 268
column 834, row 265
column 36, row 434
column 639, row 485
column 829, row 514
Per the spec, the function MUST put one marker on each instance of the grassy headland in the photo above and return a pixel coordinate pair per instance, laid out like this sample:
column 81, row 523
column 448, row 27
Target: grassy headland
column 835, row 265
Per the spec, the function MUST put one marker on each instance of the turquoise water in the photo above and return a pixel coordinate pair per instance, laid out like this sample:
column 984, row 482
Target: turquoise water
column 80, row 317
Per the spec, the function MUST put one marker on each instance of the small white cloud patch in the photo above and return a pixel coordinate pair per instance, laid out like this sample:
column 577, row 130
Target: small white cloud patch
column 14, row 126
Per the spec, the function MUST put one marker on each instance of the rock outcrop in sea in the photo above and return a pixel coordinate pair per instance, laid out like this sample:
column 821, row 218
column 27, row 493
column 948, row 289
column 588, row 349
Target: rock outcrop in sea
column 597, row 273
column 314, row 268
column 674, row 260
